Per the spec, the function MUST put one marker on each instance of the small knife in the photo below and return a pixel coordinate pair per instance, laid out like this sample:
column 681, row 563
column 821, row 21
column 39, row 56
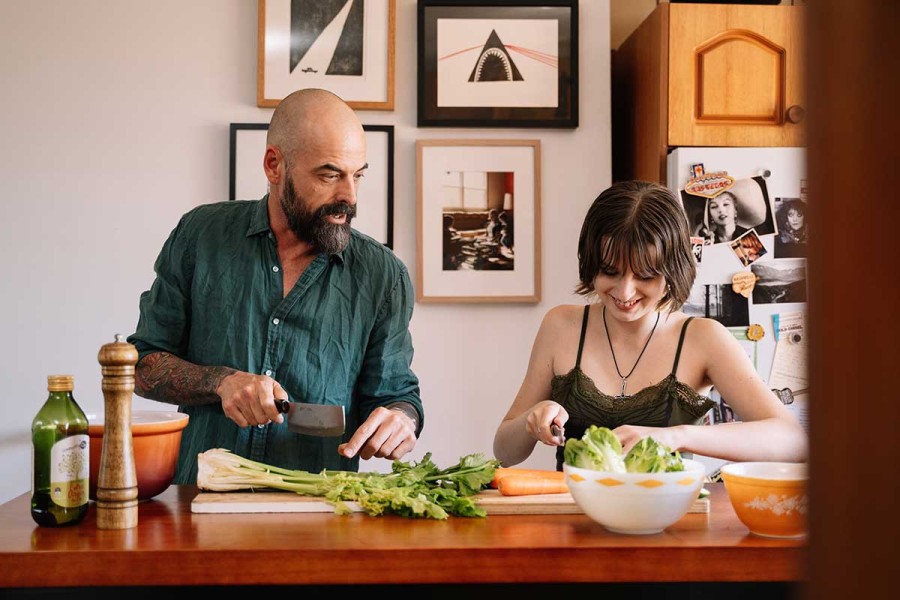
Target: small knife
column 321, row 420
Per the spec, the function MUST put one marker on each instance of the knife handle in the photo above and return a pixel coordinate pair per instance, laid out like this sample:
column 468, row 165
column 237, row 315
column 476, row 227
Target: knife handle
column 282, row 405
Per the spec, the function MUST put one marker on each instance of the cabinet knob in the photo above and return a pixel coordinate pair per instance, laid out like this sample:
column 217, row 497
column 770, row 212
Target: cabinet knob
column 795, row 114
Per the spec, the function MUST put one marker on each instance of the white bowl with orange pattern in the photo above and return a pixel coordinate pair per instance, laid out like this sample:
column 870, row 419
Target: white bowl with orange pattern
column 636, row 503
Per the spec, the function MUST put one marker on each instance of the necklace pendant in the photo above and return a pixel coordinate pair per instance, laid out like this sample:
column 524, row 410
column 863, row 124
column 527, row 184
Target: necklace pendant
column 624, row 383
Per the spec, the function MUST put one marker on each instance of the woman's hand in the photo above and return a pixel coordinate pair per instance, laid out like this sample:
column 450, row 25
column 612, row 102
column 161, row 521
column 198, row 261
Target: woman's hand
column 540, row 421
column 630, row 435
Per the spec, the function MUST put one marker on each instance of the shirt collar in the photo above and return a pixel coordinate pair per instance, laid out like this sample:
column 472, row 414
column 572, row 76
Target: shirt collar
column 259, row 223
column 259, row 219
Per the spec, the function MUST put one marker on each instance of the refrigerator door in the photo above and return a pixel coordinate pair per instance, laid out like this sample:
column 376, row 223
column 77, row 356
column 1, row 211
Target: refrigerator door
column 782, row 171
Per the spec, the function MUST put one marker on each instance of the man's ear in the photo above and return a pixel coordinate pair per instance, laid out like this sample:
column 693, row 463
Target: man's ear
column 273, row 165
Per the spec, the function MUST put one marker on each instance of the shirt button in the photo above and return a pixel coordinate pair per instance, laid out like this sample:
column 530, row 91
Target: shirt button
column 268, row 372
column 275, row 268
column 276, row 321
column 261, row 425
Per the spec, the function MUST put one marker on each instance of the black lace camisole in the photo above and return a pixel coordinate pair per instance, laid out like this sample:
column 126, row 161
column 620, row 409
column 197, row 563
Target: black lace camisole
column 669, row 402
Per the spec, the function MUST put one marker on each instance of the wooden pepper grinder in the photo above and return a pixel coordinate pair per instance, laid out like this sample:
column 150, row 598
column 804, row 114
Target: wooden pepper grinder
column 117, row 503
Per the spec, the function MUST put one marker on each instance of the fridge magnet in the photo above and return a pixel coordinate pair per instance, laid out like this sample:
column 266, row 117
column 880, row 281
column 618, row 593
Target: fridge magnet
column 719, row 302
column 707, row 185
column 742, row 283
column 346, row 47
column 478, row 220
column 790, row 219
column 731, row 213
column 748, row 248
column 755, row 332
column 375, row 200
column 503, row 63
column 780, row 281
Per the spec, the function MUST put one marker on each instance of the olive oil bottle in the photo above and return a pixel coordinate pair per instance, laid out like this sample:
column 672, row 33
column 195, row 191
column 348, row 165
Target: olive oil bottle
column 60, row 462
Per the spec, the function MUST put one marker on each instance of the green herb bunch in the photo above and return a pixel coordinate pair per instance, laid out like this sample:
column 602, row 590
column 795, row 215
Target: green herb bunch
column 411, row 489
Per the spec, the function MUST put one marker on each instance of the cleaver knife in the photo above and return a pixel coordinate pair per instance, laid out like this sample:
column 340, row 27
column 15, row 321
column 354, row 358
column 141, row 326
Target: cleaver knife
column 321, row 420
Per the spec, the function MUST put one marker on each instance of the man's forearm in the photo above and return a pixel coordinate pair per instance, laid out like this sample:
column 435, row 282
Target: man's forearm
column 165, row 377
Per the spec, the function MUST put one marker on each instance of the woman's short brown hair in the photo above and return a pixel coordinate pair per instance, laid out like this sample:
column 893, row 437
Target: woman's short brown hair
column 641, row 226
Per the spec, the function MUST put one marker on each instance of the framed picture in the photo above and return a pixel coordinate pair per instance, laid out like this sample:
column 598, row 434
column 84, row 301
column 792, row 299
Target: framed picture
column 479, row 215
column 498, row 63
column 375, row 202
column 344, row 46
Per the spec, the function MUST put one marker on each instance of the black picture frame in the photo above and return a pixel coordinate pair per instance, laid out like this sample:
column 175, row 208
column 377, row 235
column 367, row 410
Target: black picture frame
column 471, row 48
column 246, row 179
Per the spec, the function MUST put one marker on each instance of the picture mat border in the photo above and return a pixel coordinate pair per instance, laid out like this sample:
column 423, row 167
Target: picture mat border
column 515, row 287
column 383, row 100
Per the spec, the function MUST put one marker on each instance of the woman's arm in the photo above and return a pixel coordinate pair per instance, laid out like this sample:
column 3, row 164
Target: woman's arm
column 767, row 430
column 528, row 419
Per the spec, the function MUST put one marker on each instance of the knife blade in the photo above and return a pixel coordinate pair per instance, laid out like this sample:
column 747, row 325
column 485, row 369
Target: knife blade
column 321, row 420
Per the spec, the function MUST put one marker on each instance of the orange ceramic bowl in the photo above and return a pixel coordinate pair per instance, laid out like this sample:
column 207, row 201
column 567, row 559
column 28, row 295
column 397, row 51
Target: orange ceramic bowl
column 155, row 438
column 769, row 497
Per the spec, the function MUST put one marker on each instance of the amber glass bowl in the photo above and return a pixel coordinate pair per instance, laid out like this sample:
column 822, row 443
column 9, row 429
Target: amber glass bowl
column 155, row 438
column 770, row 498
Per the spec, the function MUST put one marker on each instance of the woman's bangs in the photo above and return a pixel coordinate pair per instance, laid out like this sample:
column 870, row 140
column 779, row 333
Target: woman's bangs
column 640, row 255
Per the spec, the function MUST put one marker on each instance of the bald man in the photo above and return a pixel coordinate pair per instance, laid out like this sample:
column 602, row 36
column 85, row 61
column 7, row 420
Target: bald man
column 279, row 298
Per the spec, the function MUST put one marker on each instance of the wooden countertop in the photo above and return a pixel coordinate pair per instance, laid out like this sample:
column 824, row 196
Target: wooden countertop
column 172, row 546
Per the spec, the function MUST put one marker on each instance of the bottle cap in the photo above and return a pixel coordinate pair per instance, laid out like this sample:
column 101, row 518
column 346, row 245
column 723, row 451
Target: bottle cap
column 60, row 383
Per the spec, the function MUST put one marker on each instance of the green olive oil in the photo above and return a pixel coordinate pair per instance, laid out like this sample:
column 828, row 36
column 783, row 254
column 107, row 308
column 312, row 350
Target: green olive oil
column 60, row 459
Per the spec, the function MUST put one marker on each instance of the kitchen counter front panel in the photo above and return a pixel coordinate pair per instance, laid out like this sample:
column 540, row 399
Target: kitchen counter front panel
column 172, row 546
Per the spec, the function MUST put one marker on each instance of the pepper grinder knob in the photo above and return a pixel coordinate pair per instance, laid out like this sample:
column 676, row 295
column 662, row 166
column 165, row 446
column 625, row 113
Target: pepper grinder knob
column 117, row 503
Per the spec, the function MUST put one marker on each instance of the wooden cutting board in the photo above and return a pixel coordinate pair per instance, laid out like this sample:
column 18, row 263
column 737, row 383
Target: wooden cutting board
column 286, row 502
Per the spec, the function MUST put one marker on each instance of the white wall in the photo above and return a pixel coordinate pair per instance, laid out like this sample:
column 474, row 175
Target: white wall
column 114, row 121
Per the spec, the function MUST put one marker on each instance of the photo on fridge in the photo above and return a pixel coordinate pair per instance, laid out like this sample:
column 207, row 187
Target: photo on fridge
column 790, row 218
column 732, row 213
column 780, row 281
column 719, row 302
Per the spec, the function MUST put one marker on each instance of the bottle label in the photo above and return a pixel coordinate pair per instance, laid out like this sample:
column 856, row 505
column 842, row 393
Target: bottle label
column 69, row 471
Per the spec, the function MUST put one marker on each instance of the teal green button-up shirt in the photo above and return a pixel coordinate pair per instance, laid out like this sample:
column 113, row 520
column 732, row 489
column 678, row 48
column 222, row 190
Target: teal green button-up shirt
column 340, row 336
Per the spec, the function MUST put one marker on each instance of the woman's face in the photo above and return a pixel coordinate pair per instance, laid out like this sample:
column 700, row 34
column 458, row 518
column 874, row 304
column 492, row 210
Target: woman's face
column 722, row 210
column 795, row 219
column 627, row 296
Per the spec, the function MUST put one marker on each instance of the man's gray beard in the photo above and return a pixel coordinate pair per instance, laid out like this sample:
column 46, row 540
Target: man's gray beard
column 312, row 227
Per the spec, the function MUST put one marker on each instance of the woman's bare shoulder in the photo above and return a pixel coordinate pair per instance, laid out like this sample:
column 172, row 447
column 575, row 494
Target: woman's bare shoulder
column 710, row 335
column 564, row 315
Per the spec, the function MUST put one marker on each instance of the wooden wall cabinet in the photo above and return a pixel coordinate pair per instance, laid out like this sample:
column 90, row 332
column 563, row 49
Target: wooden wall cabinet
column 706, row 75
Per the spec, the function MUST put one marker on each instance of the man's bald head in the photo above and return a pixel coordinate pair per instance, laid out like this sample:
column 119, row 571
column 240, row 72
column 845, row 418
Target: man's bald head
column 303, row 113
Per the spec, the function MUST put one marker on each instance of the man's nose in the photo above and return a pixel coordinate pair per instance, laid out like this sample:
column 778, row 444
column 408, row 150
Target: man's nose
column 347, row 191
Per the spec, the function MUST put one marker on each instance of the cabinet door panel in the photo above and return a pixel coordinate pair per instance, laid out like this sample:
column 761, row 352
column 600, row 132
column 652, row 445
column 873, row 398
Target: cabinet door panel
column 734, row 72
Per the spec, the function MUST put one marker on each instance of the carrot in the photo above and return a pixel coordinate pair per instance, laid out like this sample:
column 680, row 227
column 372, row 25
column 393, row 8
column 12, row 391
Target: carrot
column 527, row 485
column 502, row 472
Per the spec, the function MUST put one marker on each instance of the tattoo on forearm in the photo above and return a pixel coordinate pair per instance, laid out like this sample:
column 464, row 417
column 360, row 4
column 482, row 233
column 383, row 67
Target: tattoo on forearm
column 165, row 377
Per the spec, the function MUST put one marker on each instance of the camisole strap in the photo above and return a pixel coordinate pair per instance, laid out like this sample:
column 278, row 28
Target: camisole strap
column 680, row 342
column 587, row 307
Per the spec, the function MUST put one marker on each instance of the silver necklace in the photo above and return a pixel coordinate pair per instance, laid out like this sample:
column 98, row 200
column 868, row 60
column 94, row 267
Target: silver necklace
column 613, row 352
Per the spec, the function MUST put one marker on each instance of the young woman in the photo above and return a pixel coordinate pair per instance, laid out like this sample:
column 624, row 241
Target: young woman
column 631, row 361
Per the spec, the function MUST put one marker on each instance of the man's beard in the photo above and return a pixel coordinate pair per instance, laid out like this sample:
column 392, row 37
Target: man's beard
column 312, row 227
